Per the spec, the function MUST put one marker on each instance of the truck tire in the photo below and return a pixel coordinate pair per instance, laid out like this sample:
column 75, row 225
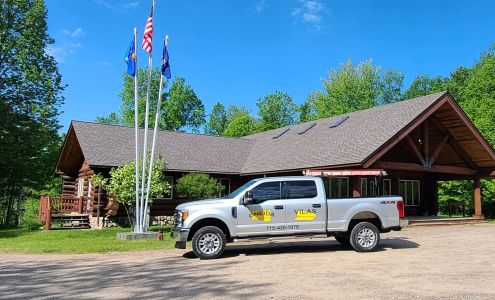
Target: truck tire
column 209, row 242
column 343, row 238
column 364, row 237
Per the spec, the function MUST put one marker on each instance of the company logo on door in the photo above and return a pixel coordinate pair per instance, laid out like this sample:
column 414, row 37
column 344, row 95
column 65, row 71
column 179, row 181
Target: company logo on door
column 264, row 215
column 305, row 214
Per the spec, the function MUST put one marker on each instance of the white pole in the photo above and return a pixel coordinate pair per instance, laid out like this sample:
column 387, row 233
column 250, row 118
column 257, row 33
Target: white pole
column 150, row 170
column 137, row 227
column 143, row 174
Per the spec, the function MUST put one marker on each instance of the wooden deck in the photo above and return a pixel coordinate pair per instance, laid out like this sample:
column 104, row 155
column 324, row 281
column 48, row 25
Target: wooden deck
column 64, row 212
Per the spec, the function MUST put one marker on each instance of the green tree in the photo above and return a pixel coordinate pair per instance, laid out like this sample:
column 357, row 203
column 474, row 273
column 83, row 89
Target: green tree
column 30, row 100
column 127, row 97
column 111, row 119
column 391, row 86
column 306, row 111
column 217, row 120
column 121, row 185
column 181, row 108
column 350, row 88
column 276, row 110
column 425, row 85
column 241, row 122
column 198, row 186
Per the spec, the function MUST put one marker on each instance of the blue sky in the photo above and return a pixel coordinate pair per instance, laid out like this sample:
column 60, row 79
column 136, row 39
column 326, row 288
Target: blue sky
column 239, row 51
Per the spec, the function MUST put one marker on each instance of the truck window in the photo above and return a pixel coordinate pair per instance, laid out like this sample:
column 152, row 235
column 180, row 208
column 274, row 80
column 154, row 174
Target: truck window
column 299, row 189
column 266, row 191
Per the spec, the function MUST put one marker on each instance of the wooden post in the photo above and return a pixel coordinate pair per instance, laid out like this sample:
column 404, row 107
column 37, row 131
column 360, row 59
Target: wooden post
column 80, row 205
column 477, row 198
column 48, row 215
column 356, row 186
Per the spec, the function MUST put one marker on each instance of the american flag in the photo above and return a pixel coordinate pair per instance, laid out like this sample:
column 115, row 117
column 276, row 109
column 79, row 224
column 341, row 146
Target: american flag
column 148, row 33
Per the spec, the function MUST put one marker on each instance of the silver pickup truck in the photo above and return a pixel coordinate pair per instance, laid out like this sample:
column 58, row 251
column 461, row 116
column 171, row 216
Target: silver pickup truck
column 275, row 207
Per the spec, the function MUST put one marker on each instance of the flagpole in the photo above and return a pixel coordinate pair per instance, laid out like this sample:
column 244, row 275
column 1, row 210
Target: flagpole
column 143, row 174
column 137, row 227
column 155, row 129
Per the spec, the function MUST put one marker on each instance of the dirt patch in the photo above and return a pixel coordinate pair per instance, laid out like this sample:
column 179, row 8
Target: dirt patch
column 450, row 262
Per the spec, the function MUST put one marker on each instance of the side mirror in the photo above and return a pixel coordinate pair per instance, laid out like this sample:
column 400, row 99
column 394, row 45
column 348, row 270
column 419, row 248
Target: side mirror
column 248, row 198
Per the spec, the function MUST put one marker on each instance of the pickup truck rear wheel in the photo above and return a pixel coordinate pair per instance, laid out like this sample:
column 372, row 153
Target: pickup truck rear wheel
column 343, row 238
column 209, row 242
column 364, row 237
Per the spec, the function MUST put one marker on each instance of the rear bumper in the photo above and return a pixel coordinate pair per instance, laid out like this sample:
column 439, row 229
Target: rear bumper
column 180, row 236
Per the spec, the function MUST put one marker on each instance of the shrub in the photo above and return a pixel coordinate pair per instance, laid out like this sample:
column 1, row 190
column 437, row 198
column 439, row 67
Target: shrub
column 29, row 218
column 198, row 186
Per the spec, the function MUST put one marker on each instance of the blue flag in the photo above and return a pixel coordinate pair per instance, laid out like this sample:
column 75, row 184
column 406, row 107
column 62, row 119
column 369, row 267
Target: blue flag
column 165, row 62
column 130, row 59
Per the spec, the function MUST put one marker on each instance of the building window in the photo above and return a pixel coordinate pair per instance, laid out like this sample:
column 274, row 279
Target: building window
column 302, row 189
column 364, row 187
column 387, row 187
column 170, row 193
column 336, row 187
column 225, row 182
column 372, row 188
column 409, row 190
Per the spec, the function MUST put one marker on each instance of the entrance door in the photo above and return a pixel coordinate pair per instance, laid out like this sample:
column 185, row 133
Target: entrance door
column 267, row 213
column 305, row 211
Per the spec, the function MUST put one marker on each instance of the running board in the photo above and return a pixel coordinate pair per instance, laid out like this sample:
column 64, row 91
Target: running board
column 282, row 237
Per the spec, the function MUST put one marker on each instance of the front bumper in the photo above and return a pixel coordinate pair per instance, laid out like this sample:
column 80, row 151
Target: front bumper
column 180, row 236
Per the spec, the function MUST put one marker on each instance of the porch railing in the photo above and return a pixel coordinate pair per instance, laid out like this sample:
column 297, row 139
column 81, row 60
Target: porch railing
column 60, row 205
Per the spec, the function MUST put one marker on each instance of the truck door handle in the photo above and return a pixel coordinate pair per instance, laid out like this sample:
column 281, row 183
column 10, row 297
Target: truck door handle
column 316, row 205
column 279, row 207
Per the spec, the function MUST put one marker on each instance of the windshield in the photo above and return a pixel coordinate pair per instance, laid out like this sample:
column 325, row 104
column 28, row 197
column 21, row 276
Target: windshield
column 241, row 189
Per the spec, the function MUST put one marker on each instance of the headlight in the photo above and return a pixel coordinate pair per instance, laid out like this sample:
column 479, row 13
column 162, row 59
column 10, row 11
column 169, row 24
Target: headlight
column 184, row 215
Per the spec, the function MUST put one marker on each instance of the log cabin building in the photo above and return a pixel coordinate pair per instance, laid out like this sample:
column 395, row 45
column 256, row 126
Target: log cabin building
column 404, row 148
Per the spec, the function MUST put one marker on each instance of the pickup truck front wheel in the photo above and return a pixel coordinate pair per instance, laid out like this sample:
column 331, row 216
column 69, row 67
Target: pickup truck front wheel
column 209, row 242
column 364, row 237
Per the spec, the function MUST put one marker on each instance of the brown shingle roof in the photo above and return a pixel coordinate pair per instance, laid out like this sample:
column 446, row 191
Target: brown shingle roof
column 350, row 143
column 110, row 145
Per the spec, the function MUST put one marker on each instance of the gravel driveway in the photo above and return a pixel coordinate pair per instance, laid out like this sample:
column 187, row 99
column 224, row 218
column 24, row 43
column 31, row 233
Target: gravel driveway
column 450, row 262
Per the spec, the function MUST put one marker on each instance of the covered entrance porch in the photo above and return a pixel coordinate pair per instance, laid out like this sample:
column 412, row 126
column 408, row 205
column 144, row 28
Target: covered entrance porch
column 440, row 145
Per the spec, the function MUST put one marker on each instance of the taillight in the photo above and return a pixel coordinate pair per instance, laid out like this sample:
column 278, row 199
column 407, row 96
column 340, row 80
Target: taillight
column 400, row 208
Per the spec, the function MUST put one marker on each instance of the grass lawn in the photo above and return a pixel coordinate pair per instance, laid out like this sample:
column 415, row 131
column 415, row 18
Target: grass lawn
column 75, row 241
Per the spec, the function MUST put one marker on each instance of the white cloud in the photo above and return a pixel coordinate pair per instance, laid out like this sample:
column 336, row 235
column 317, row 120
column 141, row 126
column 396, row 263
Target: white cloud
column 120, row 6
column 261, row 5
column 311, row 13
column 133, row 4
column 74, row 33
column 62, row 51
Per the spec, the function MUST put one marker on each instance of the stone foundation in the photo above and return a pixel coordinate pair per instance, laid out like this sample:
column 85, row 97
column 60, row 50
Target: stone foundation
column 162, row 220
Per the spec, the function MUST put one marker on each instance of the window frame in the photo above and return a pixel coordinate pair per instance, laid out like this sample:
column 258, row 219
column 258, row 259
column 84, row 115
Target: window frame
column 228, row 187
column 365, row 194
column 267, row 182
column 285, row 186
column 389, row 187
column 339, row 187
column 407, row 201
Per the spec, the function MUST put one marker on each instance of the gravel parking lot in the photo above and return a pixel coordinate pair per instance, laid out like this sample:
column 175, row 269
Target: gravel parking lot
column 450, row 262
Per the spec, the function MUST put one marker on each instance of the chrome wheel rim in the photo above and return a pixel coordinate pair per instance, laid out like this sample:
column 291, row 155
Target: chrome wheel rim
column 209, row 243
column 366, row 238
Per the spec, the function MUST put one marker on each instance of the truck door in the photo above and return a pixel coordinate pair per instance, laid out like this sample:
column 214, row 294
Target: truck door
column 267, row 213
column 305, row 210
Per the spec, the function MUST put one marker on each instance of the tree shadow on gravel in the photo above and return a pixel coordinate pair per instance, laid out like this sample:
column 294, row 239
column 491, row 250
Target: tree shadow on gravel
column 94, row 277
column 272, row 248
